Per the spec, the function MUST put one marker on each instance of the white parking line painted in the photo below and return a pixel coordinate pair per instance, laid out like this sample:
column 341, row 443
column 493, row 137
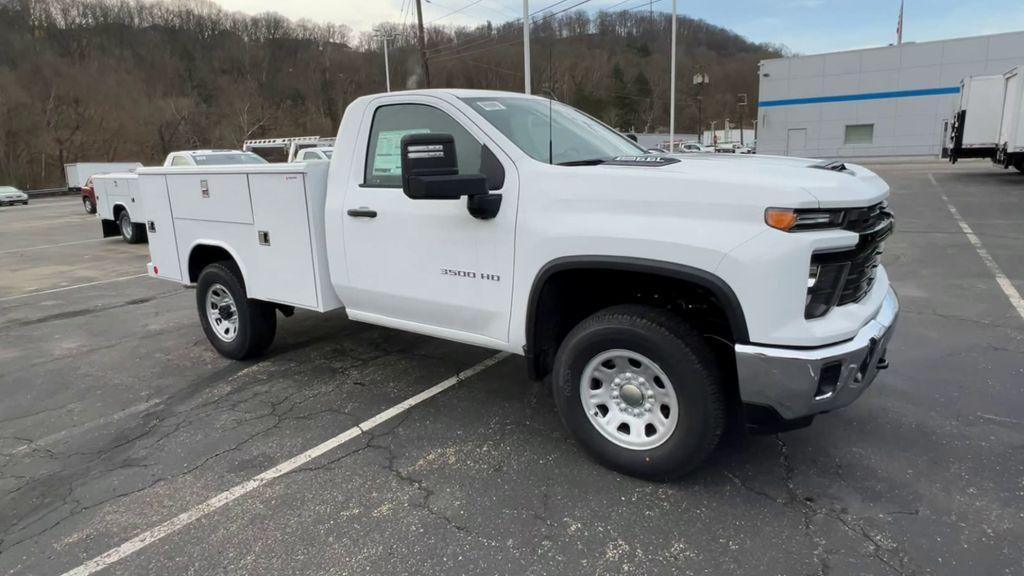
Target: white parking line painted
column 86, row 426
column 186, row 518
column 52, row 290
column 1008, row 288
column 51, row 245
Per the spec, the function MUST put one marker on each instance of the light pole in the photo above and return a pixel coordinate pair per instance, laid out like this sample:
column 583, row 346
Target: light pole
column 383, row 35
column 741, row 101
column 526, row 45
column 699, row 80
column 672, row 88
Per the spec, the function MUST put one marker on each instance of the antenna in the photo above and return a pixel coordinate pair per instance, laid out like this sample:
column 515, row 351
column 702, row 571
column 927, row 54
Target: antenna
column 551, row 97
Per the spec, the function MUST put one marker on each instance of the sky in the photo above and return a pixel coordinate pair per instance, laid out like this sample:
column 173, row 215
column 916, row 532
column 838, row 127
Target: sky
column 805, row 26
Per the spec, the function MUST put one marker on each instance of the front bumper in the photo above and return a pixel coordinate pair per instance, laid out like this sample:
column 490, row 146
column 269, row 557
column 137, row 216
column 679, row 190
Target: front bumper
column 803, row 382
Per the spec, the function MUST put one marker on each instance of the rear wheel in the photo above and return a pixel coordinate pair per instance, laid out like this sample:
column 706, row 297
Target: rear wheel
column 129, row 231
column 90, row 206
column 237, row 326
column 639, row 389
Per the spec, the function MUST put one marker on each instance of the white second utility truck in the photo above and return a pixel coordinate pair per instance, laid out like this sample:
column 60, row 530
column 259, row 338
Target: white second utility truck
column 664, row 296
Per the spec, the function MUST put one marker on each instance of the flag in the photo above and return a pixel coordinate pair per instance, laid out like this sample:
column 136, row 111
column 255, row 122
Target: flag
column 899, row 26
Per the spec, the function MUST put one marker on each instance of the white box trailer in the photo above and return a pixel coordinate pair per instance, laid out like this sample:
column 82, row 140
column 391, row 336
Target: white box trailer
column 1010, row 145
column 77, row 174
column 119, row 206
column 975, row 131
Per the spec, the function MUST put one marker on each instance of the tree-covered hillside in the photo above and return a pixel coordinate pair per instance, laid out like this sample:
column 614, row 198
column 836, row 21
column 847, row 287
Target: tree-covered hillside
column 92, row 80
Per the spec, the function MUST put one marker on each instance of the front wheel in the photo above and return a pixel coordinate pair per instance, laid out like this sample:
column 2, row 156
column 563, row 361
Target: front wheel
column 236, row 326
column 639, row 389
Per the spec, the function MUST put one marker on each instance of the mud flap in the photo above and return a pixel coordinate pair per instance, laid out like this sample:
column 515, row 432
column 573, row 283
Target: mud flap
column 110, row 228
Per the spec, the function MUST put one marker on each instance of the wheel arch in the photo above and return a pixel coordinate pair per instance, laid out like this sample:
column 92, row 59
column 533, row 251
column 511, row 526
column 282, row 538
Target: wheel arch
column 117, row 209
column 537, row 364
column 204, row 252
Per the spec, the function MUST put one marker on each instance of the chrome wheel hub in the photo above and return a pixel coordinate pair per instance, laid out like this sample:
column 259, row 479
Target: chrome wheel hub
column 629, row 399
column 221, row 312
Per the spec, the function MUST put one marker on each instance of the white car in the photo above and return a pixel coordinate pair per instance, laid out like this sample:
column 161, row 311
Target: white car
column 693, row 147
column 318, row 153
column 9, row 195
column 212, row 158
column 660, row 294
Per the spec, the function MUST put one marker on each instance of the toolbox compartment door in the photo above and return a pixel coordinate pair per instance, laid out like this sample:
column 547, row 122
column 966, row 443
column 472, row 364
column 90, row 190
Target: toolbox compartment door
column 282, row 270
column 163, row 244
column 211, row 197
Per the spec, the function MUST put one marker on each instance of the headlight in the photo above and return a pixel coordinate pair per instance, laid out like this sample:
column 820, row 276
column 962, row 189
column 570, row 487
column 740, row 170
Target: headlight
column 798, row 220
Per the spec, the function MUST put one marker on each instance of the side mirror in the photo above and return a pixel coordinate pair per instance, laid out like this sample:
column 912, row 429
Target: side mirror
column 430, row 171
column 632, row 137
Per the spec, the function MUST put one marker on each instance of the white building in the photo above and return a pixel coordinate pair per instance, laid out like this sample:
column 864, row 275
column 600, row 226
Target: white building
column 890, row 101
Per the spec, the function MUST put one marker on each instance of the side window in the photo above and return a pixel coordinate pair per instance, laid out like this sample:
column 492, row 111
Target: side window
column 390, row 123
column 305, row 156
column 179, row 161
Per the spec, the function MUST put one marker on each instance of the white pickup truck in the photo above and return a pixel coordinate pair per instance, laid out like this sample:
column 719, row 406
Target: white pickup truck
column 663, row 295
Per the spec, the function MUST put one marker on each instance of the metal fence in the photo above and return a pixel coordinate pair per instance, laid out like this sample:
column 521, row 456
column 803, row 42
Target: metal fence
column 49, row 192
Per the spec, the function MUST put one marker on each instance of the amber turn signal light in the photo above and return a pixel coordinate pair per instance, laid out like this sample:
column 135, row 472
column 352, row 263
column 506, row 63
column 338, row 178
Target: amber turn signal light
column 780, row 218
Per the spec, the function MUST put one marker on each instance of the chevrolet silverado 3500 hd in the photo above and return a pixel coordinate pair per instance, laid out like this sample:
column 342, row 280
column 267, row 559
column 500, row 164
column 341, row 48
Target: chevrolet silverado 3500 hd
column 663, row 295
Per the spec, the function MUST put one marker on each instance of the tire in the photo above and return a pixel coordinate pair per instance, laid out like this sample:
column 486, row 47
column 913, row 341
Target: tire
column 255, row 322
column 1019, row 165
column 129, row 231
column 675, row 378
column 90, row 206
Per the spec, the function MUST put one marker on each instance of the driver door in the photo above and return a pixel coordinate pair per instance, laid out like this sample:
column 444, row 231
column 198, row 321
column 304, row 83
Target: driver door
column 427, row 265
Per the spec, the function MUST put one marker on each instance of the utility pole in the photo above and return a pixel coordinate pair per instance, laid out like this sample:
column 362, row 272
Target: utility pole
column 714, row 137
column 423, row 49
column 383, row 35
column 672, row 88
column 741, row 101
column 526, row 45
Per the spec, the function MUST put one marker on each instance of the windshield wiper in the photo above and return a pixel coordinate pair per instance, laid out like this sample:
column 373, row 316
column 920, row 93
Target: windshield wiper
column 587, row 162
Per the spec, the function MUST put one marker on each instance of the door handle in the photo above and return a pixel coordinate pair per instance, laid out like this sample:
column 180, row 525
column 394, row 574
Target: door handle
column 362, row 213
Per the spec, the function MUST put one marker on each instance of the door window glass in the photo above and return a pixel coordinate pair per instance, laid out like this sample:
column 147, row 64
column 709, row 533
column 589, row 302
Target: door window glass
column 390, row 123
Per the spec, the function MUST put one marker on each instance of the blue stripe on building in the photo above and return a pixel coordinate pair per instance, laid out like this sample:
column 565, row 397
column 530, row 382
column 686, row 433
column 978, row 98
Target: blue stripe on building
column 856, row 97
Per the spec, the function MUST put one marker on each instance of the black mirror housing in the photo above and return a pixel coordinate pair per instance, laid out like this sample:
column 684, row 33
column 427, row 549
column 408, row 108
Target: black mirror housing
column 430, row 169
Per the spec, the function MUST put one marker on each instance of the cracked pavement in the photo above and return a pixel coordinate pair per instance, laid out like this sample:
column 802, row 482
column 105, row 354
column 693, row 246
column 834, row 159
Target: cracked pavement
column 117, row 416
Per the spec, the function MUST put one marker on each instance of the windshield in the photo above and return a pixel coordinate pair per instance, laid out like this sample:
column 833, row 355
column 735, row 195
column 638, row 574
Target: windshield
column 225, row 159
column 574, row 136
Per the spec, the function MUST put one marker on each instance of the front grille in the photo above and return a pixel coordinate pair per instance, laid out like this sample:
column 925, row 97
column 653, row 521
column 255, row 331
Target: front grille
column 868, row 219
column 875, row 225
column 867, row 255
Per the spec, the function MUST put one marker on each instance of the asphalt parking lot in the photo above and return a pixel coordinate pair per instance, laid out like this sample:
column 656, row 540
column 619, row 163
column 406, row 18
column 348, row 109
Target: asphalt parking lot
column 118, row 417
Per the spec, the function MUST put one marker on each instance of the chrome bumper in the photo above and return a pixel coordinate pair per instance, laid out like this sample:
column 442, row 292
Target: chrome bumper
column 798, row 382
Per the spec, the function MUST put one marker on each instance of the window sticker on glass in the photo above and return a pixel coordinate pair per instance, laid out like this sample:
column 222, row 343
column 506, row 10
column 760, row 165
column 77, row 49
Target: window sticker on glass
column 491, row 106
column 387, row 158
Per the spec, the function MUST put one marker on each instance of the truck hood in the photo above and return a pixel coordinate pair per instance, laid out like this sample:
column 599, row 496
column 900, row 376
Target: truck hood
column 832, row 184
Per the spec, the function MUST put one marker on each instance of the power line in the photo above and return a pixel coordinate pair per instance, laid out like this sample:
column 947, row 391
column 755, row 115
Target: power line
column 455, row 53
column 456, row 11
column 441, row 49
column 486, row 40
